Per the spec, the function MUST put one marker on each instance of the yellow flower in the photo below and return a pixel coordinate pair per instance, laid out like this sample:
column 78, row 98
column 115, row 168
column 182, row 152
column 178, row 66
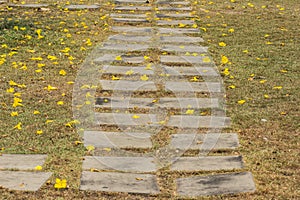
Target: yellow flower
column 222, row 44
column 18, row 126
column 135, row 117
column 38, row 168
column 60, row 103
column 90, row 148
column 144, row 77
column 52, row 57
column 39, row 132
column 17, row 102
column 231, row 86
column 148, row 66
column 277, row 87
column 129, row 72
column 146, row 57
column 224, row 60
column 38, row 32
column 10, row 90
column 231, row 30
column 241, row 101
column 36, row 112
column 115, row 78
column 195, row 79
column 206, row 60
column 189, row 112
column 14, row 114
column 60, row 183
column 118, row 58
column 49, row 88
column 62, row 72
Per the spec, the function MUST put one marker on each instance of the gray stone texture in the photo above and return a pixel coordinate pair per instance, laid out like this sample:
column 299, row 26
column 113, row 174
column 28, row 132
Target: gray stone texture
column 21, row 161
column 128, row 15
column 207, row 163
column 124, row 164
column 112, row 69
column 215, row 184
column 180, row 39
column 130, row 38
column 82, row 7
column 188, row 121
column 209, row 141
column 184, row 48
column 175, row 9
column 129, row 29
column 100, row 139
column 122, row 119
column 108, row 58
column 174, row 15
column 29, row 5
column 119, row 182
column 124, row 47
column 183, row 60
column 174, row 22
column 177, row 30
column 190, row 71
column 130, row 20
column 130, row 1
column 211, row 87
column 25, row 181
column 124, row 85
column 135, row 8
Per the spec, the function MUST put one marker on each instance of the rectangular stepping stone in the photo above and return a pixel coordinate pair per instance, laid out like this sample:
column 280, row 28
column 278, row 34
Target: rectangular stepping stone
column 175, row 22
column 108, row 58
column 29, row 5
column 215, row 141
column 124, row 85
column 211, row 87
column 177, row 30
column 175, row 9
column 180, row 39
column 82, row 7
column 134, row 8
column 129, row 29
column 102, row 139
column 21, row 161
column 172, row 15
column 119, row 182
column 124, row 103
column 2, row 2
column 183, row 103
column 124, row 164
column 128, row 15
column 24, row 181
column 207, row 163
column 121, row 119
column 183, row 60
column 186, row 121
column 130, row 20
column 183, row 3
column 123, row 70
column 215, row 184
column 183, row 48
column 130, row 1
column 190, row 71
column 130, row 38
column 124, row 47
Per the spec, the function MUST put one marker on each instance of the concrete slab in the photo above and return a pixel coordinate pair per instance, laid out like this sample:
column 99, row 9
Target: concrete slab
column 103, row 139
column 184, row 48
column 29, row 5
column 123, row 164
column 121, row 119
column 207, row 163
column 123, row 70
column 135, row 30
column 119, row 182
column 25, row 181
column 119, row 15
column 180, row 39
column 185, row 121
column 21, row 161
column 82, row 7
column 184, row 103
column 124, row 47
column 215, row 184
column 130, row 38
column 124, row 85
column 173, row 31
column 175, row 9
column 183, row 60
column 172, row 15
column 133, row 8
column 190, row 71
column 211, row 87
column 209, row 141
column 175, row 22
column 130, row 20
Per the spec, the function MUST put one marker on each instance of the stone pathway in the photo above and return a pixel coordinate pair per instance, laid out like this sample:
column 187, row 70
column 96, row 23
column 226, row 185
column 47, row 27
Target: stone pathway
column 156, row 81
column 158, row 110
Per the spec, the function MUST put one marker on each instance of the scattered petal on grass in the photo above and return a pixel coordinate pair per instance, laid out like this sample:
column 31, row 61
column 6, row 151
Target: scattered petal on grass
column 36, row 112
column 231, row 86
column 60, row 103
column 62, row 72
column 222, row 44
column 277, row 87
column 13, row 114
column 194, row 79
column 60, row 183
column 49, row 88
column 39, row 132
column 241, row 101
column 18, row 126
column 77, row 142
column 266, row 96
column 224, row 60
column 115, row 78
column 262, row 81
